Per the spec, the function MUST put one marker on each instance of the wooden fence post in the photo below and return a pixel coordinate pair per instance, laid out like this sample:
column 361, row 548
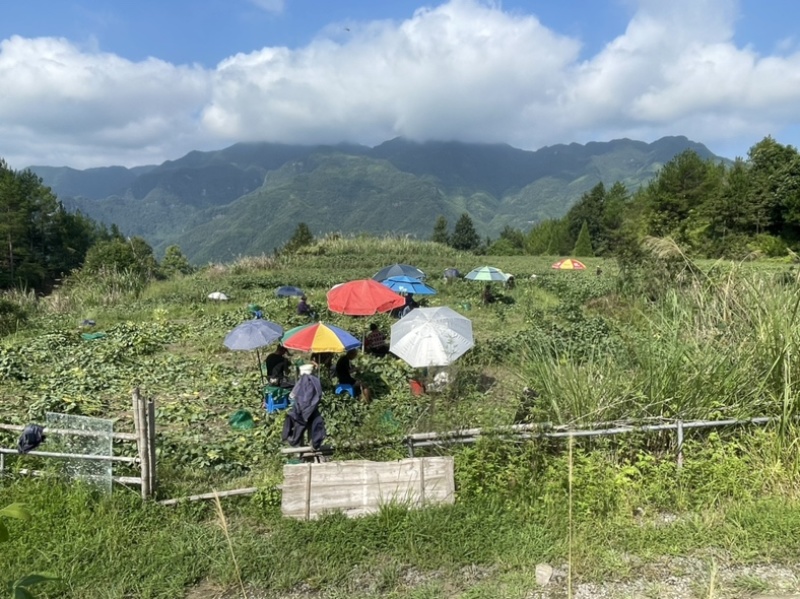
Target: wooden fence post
column 140, row 423
column 679, row 429
column 410, row 443
column 151, row 445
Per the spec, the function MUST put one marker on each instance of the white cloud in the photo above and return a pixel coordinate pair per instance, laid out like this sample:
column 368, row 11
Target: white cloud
column 91, row 108
column 462, row 70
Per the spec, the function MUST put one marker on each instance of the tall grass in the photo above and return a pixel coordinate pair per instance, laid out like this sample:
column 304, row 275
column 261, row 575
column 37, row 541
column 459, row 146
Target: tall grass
column 368, row 245
column 106, row 288
column 710, row 348
column 573, row 513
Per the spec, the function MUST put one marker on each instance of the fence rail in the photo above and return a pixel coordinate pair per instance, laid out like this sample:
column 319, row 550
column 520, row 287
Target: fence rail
column 144, row 437
column 520, row 432
column 64, row 431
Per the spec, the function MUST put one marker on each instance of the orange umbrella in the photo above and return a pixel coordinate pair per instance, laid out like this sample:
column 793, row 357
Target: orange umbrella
column 363, row 298
column 569, row 264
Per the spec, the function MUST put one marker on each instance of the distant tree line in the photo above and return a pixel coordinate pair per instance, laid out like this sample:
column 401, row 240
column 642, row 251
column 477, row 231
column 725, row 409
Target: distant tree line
column 40, row 242
column 710, row 209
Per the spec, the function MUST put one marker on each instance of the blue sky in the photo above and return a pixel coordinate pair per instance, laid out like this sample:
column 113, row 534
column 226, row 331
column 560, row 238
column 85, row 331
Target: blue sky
column 94, row 83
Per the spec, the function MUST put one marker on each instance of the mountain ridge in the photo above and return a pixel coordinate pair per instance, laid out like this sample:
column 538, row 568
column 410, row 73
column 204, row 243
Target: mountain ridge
column 248, row 197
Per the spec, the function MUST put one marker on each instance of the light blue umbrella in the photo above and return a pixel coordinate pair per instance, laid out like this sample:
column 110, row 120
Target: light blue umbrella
column 403, row 284
column 486, row 273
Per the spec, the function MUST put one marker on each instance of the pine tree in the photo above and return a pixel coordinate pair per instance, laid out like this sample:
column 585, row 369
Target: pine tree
column 302, row 237
column 465, row 237
column 583, row 246
column 440, row 234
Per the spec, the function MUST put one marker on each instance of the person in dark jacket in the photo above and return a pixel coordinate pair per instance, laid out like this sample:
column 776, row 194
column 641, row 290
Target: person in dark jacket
column 304, row 309
column 304, row 415
column 279, row 368
column 345, row 371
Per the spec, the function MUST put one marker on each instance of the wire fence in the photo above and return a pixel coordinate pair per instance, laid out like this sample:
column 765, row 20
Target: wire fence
column 144, row 438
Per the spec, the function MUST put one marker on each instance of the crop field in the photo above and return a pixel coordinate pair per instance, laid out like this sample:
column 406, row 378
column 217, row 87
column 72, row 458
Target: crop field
column 662, row 340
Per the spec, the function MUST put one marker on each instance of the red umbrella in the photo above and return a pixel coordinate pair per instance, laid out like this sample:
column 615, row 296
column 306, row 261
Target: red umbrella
column 363, row 298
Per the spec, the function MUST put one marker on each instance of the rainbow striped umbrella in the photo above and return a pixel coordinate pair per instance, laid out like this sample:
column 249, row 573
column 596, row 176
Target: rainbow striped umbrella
column 319, row 337
column 569, row 264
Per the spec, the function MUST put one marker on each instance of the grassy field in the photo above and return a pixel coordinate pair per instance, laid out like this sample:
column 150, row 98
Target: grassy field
column 660, row 341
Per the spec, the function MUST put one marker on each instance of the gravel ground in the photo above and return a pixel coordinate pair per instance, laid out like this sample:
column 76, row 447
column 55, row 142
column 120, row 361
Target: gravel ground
column 669, row 578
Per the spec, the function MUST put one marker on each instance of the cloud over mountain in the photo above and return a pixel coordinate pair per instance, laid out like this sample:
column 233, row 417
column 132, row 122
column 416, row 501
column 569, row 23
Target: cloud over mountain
column 465, row 70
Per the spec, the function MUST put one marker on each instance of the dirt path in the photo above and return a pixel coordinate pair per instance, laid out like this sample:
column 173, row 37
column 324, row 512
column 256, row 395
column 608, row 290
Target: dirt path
column 670, row 578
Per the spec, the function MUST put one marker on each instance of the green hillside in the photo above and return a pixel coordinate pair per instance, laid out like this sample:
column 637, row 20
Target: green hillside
column 342, row 192
column 248, row 197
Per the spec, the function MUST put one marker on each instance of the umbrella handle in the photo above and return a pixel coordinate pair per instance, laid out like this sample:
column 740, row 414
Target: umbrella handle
column 260, row 370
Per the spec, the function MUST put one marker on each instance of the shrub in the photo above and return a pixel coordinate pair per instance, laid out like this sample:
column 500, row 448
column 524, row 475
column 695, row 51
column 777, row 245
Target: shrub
column 12, row 315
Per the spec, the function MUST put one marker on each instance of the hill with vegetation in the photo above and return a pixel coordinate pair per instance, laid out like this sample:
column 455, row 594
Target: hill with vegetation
column 649, row 340
column 246, row 199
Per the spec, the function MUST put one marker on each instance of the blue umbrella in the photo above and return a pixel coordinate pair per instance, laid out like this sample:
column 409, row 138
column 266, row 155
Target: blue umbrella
column 399, row 270
column 252, row 335
column 289, row 291
column 408, row 285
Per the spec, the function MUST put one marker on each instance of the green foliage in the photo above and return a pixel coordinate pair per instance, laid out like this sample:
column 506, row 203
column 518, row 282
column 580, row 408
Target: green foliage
column 707, row 207
column 12, row 317
column 549, row 238
column 588, row 212
column 301, row 237
column 583, row 246
column 20, row 588
column 133, row 255
column 465, row 238
column 510, row 243
column 440, row 231
column 175, row 263
column 40, row 240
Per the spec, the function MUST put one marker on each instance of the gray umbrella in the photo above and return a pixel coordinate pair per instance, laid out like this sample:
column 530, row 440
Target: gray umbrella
column 252, row 335
column 399, row 270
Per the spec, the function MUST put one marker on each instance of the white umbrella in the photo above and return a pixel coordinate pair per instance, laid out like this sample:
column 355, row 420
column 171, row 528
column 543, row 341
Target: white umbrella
column 431, row 337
